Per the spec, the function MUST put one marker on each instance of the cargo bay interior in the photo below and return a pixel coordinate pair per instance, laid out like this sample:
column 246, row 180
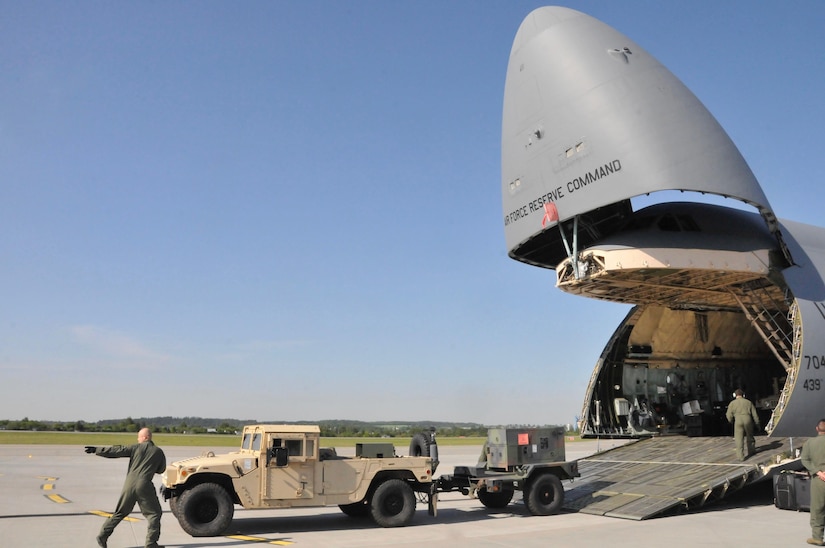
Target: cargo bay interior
column 672, row 371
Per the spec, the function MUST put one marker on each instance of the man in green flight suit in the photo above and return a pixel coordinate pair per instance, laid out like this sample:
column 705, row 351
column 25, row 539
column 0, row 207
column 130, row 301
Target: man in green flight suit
column 813, row 459
column 742, row 414
column 145, row 460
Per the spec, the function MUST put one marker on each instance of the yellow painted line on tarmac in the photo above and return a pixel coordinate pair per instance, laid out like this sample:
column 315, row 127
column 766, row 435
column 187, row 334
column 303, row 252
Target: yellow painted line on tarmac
column 279, row 542
column 57, row 498
column 103, row 514
column 48, row 487
column 47, row 478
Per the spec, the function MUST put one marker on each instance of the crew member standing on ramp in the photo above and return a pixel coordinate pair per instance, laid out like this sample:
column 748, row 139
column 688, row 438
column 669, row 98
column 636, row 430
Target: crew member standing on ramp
column 813, row 459
column 145, row 460
column 742, row 414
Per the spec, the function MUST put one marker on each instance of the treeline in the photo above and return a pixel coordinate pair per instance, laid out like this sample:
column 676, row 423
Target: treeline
column 187, row 425
column 199, row 425
column 359, row 429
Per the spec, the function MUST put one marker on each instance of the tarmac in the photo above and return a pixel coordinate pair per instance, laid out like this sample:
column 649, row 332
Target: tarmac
column 58, row 496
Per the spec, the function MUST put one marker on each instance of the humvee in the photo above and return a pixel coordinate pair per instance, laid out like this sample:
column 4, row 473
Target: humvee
column 282, row 466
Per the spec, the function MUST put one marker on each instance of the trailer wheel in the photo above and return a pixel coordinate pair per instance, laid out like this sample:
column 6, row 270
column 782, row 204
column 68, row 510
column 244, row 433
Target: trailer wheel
column 356, row 509
column 420, row 446
column 393, row 504
column 544, row 495
column 495, row 500
column 205, row 510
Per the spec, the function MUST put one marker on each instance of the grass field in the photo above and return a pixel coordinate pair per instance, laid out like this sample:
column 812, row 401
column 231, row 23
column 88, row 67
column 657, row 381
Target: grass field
column 15, row 437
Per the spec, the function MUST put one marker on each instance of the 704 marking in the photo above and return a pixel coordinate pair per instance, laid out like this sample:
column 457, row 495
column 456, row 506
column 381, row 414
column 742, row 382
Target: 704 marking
column 816, row 362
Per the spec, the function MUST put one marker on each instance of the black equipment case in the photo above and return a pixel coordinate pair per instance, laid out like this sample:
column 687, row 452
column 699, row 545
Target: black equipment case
column 792, row 490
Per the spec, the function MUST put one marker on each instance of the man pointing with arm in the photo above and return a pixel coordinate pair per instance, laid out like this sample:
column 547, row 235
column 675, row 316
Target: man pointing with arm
column 145, row 460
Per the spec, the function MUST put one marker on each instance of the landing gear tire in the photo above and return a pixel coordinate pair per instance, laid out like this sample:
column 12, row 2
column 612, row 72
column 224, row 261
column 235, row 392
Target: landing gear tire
column 393, row 504
column 205, row 510
column 544, row 495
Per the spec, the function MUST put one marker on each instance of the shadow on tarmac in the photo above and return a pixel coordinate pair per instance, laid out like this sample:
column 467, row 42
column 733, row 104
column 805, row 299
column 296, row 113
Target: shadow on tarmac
column 331, row 522
column 53, row 515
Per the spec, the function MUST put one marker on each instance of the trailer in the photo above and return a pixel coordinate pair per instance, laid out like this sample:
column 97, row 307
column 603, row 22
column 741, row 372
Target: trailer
column 531, row 460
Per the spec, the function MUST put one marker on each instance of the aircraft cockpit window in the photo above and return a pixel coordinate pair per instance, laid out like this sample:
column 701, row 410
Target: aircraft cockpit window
column 688, row 224
column 668, row 223
column 639, row 223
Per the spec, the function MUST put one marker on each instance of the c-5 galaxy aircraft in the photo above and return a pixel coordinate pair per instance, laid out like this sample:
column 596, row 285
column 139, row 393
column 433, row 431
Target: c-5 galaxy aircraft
column 724, row 298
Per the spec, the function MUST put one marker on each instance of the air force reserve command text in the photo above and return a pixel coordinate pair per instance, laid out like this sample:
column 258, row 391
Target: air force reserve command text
column 559, row 192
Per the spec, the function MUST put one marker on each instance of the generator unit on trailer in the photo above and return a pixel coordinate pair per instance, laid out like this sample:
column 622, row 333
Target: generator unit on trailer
column 508, row 447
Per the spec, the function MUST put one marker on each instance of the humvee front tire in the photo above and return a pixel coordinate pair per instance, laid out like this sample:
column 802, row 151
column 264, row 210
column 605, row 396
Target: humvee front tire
column 544, row 495
column 174, row 506
column 393, row 504
column 205, row 510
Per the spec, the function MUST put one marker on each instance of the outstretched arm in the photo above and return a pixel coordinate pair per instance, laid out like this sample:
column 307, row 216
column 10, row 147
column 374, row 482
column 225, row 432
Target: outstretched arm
column 111, row 452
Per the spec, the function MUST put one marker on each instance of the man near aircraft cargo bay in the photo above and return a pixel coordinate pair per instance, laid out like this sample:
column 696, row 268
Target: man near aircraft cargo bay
column 742, row 414
column 813, row 459
column 145, row 460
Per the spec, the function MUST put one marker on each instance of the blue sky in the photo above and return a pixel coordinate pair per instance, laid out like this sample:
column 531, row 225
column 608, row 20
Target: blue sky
column 291, row 210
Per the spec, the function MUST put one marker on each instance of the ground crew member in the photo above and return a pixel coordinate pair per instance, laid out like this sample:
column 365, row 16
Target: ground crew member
column 742, row 414
column 813, row 459
column 145, row 460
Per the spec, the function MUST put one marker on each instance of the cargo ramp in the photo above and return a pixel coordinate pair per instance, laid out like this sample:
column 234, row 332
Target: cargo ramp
column 671, row 474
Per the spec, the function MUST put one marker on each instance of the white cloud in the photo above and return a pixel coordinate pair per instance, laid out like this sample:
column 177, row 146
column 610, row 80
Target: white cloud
column 118, row 349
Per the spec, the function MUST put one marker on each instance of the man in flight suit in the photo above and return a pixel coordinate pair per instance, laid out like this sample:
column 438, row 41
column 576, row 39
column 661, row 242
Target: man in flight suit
column 145, row 460
column 813, row 459
column 742, row 414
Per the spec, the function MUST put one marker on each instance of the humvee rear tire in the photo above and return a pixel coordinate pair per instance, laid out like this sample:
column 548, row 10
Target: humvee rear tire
column 495, row 500
column 356, row 509
column 205, row 510
column 544, row 495
column 393, row 504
